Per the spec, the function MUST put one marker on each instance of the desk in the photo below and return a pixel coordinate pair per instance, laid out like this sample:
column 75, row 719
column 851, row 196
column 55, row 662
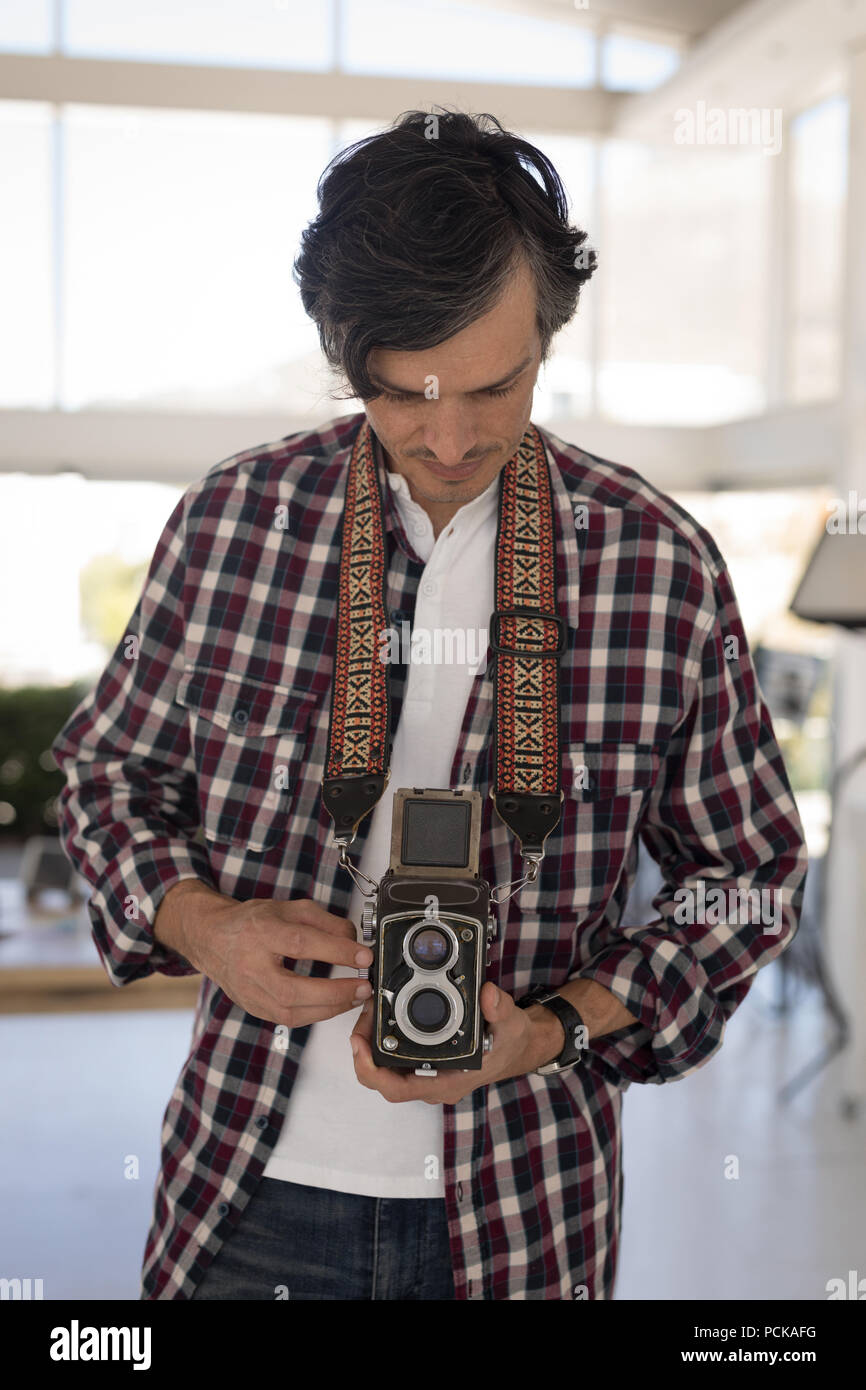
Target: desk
column 49, row 964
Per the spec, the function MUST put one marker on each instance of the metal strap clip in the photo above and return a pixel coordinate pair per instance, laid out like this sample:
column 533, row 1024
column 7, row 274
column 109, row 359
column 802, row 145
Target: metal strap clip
column 533, row 862
column 342, row 843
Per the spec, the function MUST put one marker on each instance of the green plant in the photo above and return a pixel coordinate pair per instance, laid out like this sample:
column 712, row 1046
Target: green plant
column 30, row 781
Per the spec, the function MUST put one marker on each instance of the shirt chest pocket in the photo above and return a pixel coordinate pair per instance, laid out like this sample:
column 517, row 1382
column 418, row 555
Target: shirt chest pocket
column 248, row 739
column 605, row 787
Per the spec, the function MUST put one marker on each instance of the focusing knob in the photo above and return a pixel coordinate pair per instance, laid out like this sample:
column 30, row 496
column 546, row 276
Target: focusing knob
column 368, row 924
column 487, row 1045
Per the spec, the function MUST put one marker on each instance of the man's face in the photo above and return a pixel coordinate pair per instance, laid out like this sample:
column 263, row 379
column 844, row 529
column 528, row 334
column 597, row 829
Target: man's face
column 451, row 446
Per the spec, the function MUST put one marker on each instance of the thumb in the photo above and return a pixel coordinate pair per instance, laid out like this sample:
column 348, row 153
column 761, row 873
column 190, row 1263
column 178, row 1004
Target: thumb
column 493, row 1001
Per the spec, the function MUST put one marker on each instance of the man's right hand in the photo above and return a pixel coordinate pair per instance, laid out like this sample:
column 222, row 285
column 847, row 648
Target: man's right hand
column 241, row 946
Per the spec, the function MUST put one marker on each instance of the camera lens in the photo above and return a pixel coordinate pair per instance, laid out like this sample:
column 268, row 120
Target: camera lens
column 430, row 947
column 428, row 1010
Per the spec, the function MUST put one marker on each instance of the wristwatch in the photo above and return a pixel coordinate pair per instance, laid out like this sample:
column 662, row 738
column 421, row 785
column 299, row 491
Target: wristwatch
column 575, row 1028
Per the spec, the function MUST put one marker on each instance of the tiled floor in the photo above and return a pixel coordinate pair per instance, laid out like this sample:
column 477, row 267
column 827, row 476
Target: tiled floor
column 83, row 1092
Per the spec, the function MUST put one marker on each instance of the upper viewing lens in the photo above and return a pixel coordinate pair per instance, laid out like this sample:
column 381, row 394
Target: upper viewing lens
column 430, row 947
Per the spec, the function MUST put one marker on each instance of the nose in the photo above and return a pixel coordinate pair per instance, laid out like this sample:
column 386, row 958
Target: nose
column 452, row 435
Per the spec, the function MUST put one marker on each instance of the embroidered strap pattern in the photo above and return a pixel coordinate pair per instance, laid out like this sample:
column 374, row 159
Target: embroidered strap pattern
column 527, row 636
column 358, row 738
column 525, row 626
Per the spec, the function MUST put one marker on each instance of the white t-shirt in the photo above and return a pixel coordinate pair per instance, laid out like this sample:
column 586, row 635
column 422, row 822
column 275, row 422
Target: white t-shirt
column 337, row 1133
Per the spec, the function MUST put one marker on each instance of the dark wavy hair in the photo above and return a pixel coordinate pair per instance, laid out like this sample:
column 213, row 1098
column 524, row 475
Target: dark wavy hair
column 419, row 231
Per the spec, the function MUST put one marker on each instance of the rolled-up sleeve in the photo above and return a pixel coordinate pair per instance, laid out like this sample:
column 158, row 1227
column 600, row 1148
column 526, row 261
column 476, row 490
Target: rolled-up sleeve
column 128, row 813
column 722, row 824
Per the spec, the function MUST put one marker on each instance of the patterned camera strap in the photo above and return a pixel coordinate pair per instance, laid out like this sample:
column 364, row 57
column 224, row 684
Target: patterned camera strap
column 526, row 634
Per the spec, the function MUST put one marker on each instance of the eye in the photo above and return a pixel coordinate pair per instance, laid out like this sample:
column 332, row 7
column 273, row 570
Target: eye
column 402, row 396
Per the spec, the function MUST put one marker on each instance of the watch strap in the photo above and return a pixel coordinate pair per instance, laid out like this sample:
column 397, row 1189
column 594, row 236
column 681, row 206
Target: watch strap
column 572, row 1023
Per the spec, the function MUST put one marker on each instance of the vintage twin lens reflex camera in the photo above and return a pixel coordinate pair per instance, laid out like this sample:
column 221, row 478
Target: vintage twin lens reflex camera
column 430, row 928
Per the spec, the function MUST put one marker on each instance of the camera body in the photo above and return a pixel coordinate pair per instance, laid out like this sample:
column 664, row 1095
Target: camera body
column 430, row 929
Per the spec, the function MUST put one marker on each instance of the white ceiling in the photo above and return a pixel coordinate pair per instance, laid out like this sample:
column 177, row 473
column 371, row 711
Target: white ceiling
column 766, row 54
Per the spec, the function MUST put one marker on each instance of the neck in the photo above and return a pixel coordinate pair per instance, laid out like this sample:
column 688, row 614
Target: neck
column 440, row 513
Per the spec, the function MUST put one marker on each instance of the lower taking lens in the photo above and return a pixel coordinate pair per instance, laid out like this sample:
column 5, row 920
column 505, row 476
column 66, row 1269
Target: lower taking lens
column 428, row 1010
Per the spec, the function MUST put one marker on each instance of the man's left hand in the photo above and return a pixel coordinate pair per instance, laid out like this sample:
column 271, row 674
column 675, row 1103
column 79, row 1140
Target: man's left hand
column 523, row 1039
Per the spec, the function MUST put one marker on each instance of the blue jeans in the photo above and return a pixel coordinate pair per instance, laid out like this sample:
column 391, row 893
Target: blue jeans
column 311, row 1243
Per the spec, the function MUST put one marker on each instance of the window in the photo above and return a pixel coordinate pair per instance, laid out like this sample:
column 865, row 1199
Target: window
column 766, row 538
column 819, row 153
column 181, row 229
column 247, row 33
column 681, row 277
column 438, row 39
column 564, row 389
column 26, row 256
column 51, row 529
column 25, row 26
column 632, row 64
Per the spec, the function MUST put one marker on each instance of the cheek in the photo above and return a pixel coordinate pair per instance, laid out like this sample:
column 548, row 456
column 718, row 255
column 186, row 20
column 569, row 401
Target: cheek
column 394, row 430
column 512, row 418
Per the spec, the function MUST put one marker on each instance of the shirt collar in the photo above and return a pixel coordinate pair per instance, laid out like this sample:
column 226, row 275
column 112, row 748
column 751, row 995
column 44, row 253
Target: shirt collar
column 568, row 551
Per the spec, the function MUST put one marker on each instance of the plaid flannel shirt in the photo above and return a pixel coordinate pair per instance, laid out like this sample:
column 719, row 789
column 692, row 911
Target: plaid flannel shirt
column 201, row 754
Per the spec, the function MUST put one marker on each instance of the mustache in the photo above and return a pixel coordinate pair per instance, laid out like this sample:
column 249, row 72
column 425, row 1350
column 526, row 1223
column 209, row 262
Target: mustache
column 476, row 458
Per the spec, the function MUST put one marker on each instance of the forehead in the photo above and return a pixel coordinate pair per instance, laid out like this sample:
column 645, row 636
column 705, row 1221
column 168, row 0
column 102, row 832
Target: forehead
column 487, row 349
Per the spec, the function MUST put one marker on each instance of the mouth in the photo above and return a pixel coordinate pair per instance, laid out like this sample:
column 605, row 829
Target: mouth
column 456, row 472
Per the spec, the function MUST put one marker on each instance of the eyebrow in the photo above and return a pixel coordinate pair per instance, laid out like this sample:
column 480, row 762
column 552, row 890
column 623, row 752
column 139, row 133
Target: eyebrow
column 479, row 391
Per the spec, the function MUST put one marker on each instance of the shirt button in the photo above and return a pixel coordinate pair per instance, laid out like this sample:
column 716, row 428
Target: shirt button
column 262, row 1122
column 460, row 1192
column 429, row 588
column 419, row 528
column 223, row 1208
column 240, row 715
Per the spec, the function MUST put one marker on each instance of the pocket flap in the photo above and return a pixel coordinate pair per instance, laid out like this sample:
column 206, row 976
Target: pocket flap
column 242, row 705
column 605, row 769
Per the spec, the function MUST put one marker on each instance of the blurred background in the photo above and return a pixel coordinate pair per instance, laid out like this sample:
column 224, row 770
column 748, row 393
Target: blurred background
column 157, row 165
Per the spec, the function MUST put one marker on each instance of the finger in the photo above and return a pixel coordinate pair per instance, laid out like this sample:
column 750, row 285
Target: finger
column 298, row 941
column 393, row 1085
column 301, row 1016
column 296, row 1018
column 291, row 992
column 496, row 1005
column 310, row 913
column 396, row 1086
column 364, row 1022
column 399, row 1087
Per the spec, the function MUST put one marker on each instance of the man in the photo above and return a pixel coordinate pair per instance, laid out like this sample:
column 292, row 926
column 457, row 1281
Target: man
column 438, row 271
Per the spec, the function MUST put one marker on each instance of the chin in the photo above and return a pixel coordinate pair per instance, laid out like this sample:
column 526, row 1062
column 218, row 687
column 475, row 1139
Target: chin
column 436, row 490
